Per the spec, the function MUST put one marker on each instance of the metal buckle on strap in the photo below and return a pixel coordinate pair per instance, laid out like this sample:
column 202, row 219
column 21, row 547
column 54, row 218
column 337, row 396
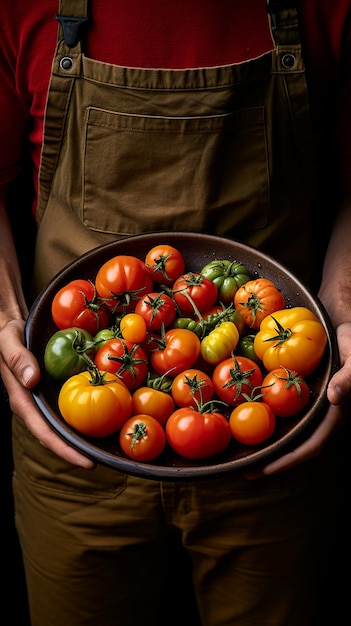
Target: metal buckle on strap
column 70, row 28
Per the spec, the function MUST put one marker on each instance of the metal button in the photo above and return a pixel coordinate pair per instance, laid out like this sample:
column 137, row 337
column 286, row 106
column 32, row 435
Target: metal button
column 288, row 60
column 66, row 63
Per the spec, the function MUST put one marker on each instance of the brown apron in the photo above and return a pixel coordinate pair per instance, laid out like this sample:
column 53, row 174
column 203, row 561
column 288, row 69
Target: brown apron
column 225, row 150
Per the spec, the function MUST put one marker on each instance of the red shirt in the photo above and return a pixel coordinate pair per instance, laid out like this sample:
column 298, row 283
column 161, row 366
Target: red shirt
column 184, row 34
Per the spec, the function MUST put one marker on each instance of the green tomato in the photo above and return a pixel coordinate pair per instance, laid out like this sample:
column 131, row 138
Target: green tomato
column 228, row 276
column 189, row 324
column 246, row 348
column 105, row 334
column 67, row 353
column 226, row 315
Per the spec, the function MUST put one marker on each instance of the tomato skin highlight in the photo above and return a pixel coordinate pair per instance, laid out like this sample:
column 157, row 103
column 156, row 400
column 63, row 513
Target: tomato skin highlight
column 256, row 299
column 153, row 402
column 156, row 308
column 202, row 292
column 192, row 386
column 61, row 359
column 181, row 350
column 133, row 328
column 121, row 281
column 234, row 377
column 228, row 276
column 286, row 392
column 291, row 338
column 252, row 423
column 94, row 410
column 196, row 435
column 165, row 264
column 125, row 359
column 142, row 438
column 77, row 304
column 220, row 343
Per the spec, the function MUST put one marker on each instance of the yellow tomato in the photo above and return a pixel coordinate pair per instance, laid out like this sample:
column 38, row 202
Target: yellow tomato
column 219, row 343
column 133, row 327
column 95, row 404
column 292, row 338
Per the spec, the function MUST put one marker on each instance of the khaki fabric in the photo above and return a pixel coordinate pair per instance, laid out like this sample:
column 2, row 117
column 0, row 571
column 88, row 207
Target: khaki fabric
column 225, row 150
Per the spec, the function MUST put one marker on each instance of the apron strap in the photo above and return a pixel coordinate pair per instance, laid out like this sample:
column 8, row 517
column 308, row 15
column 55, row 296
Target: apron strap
column 283, row 15
column 72, row 17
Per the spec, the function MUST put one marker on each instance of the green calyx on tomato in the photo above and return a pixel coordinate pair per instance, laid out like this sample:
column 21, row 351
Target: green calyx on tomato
column 256, row 299
column 197, row 434
column 192, row 388
column 177, row 350
column 77, row 305
column 95, row 403
column 236, row 377
column 225, row 314
column 286, row 392
column 165, row 263
column 160, row 383
column 125, row 359
column 157, row 308
column 122, row 281
column 194, row 293
column 293, row 338
column 68, row 352
column 228, row 276
column 142, row 437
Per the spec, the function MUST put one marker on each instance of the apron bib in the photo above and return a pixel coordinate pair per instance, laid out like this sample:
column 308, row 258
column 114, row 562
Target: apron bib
column 224, row 150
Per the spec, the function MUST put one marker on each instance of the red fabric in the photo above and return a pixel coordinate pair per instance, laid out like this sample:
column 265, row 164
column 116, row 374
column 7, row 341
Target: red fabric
column 174, row 35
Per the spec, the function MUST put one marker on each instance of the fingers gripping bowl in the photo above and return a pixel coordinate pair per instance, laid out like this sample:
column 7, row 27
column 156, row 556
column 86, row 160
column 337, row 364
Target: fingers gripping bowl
column 197, row 250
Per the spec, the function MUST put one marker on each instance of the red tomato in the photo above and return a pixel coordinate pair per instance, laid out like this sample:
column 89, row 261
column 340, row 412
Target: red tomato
column 252, row 422
column 256, row 299
column 285, row 391
column 196, row 435
column 204, row 366
column 165, row 264
column 151, row 342
column 179, row 350
column 153, row 402
column 77, row 304
column 142, row 438
column 125, row 359
column 156, row 308
column 234, row 377
column 192, row 387
column 121, row 281
column 194, row 293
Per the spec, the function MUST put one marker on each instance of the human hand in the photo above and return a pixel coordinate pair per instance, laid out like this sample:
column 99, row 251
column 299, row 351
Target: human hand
column 339, row 396
column 20, row 372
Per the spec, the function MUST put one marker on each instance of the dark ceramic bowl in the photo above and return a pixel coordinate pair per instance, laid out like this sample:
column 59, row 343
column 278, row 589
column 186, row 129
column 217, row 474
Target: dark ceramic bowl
column 197, row 250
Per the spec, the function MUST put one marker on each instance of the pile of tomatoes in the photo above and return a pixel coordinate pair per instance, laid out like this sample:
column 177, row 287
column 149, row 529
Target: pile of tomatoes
column 161, row 355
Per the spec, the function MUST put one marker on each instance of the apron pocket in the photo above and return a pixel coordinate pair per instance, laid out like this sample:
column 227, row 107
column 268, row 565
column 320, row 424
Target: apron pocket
column 150, row 173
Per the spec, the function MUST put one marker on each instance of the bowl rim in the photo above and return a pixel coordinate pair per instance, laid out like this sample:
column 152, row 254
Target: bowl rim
column 157, row 471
